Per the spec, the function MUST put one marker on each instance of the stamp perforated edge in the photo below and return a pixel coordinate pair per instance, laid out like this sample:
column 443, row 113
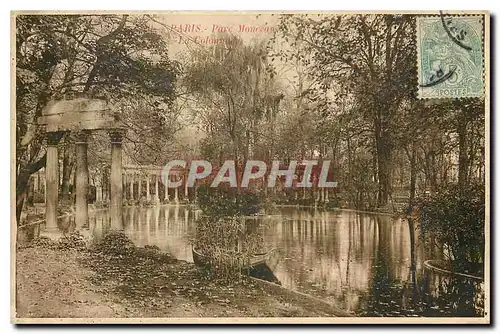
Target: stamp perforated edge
column 483, row 16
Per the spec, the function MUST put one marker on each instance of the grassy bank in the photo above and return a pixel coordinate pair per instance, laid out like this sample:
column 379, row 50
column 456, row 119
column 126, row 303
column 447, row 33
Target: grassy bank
column 117, row 280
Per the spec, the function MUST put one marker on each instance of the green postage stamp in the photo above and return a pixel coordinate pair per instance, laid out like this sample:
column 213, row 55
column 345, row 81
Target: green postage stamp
column 450, row 56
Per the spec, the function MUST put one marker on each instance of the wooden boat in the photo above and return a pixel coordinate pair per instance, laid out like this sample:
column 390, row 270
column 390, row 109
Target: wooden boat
column 260, row 265
column 255, row 260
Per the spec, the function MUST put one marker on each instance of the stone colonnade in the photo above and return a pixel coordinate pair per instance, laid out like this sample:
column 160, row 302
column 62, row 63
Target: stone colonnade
column 144, row 183
column 82, row 180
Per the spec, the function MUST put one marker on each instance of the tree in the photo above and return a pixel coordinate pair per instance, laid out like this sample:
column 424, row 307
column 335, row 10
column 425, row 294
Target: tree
column 234, row 93
column 374, row 56
column 455, row 215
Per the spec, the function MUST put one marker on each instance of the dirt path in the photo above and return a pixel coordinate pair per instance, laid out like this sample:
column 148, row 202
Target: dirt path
column 63, row 283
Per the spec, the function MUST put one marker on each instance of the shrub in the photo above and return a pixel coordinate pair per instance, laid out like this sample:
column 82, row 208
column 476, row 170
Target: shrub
column 223, row 235
column 225, row 201
column 455, row 216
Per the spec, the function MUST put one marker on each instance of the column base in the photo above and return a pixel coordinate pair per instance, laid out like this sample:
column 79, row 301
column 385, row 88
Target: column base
column 52, row 233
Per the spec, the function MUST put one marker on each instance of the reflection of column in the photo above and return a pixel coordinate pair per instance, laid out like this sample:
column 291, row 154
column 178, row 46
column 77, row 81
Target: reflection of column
column 157, row 196
column 82, row 181
column 167, row 214
column 148, row 193
column 157, row 220
column 186, row 192
column 131, row 186
column 148, row 226
column 51, row 180
column 116, row 180
column 176, row 215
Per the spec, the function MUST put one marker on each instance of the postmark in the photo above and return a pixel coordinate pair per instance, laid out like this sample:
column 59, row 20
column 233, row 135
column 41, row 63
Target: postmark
column 450, row 56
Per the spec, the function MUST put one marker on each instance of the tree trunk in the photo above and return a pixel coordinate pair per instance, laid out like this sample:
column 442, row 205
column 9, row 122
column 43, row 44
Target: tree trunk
column 383, row 162
column 463, row 157
column 21, row 190
column 413, row 177
column 22, row 180
column 30, row 192
column 67, row 169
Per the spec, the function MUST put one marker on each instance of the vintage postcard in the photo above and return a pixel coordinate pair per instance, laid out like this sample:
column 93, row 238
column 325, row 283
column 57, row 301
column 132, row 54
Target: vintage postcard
column 250, row 167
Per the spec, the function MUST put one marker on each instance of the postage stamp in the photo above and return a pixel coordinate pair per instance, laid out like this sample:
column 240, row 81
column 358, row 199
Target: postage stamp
column 450, row 56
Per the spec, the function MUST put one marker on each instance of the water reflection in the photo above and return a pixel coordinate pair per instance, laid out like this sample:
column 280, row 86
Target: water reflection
column 360, row 262
column 168, row 227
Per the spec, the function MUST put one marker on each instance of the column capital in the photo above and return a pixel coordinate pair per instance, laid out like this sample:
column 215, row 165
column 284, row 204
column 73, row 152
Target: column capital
column 82, row 136
column 53, row 138
column 116, row 136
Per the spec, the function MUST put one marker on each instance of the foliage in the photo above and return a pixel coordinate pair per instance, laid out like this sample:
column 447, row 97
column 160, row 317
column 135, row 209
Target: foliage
column 152, row 282
column 455, row 216
column 138, row 273
column 44, row 242
column 74, row 240
column 236, row 98
column 362, row 70
column 225, row 238
column 115, row 243
column 228, row 202
column 227, row 244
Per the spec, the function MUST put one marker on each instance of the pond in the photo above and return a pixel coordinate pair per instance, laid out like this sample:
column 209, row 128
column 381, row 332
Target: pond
column 360, row 262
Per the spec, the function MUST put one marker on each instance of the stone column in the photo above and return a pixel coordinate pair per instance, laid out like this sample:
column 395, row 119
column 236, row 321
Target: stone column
column 186, row 190
column 195, row 193
column 139, row 181
column 157, row 195
column 98, row 192
column 82, row 181
column 176, row 193
column 45, row 188
column 166, row 190
column 104, row 185
column 36, row 181
column 166, row 194
column 116, row 180
column 131, row 186
column 125, row 179
column 148, row 192
column 52, row 181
